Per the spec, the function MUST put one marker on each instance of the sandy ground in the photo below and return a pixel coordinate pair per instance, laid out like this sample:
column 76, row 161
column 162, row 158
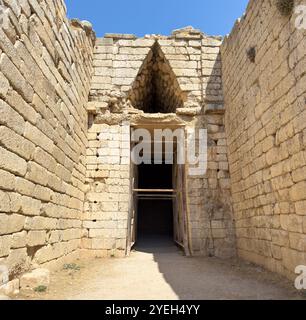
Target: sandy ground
column 159, row 271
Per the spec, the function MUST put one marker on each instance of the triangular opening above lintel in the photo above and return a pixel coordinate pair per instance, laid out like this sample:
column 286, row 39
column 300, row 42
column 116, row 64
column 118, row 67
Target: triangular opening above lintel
column 156, row 89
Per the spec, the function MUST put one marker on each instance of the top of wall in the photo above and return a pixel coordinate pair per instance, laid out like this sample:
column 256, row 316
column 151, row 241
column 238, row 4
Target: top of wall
column 186, row 33
column 243, row 24
column 192, row 57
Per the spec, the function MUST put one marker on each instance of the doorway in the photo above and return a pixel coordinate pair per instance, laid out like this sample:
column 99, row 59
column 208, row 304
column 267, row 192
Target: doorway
column 155, row 202
column 158, row 203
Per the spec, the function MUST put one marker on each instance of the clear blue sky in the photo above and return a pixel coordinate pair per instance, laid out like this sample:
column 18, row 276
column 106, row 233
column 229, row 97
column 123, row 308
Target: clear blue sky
column 140, row 17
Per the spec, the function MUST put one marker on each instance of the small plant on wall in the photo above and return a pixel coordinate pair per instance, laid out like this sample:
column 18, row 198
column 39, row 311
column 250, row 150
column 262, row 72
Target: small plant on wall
column 285, row 7
column 251, row 53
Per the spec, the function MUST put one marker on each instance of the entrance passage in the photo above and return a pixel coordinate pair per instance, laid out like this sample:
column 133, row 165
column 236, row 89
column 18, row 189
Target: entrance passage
column 157, row 211
column 155, row 201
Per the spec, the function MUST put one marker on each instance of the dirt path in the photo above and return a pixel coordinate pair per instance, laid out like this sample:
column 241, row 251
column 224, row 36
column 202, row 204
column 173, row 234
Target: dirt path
column 164, row 273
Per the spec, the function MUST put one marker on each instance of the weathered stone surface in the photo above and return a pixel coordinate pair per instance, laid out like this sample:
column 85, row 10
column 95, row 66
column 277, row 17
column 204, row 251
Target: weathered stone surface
column 264, row 121
column 37, row 278
column 9, row 289
column 36, row 238
column 4, row 86
column 65, row 163
column 16, row 78
column 7, row 180
column 10, row 118
column 19, row 240
column 42, row 127
column 11, row 162
column 11, row 223
column 5, row 245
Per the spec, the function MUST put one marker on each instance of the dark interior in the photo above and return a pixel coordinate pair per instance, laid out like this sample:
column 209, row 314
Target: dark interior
column 155, row 176
column 155, row 216
column 162, row 92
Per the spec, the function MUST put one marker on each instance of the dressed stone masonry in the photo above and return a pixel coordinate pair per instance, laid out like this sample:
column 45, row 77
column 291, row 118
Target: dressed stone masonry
column 68, row 102
column 175, row 80
column 45, row 71
column 266, row 130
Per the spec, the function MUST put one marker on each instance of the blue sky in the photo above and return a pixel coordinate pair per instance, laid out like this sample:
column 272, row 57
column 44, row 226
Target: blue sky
column 140, row 17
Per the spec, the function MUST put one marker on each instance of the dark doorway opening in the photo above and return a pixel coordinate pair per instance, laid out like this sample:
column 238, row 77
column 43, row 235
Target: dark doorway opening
column 155, row 204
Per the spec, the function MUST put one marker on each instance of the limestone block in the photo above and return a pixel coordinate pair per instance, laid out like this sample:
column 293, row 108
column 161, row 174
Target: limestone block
column 19, row 240
column 7, row 180
column 5, row 245
column 185, row 72
column 16, row 79
column 211, row 42
column 24, row 5
column 24, row 186
column 4, row 86
column 298, row 191
column 297, row 241
column 100, row 224
column 102, row 233
column 127, row 64
column 11, row 162
column 30, row 206
column 50, row 252
column 10, row 118
column 18, row 261
column 69, row 223
column 22, row 107
column 11, row 288
column 111, row 206
column 103, row 244
column 37, row 174
column 36, row 238
column 106, row 49
column 300, row 208
column 292, row 258
column 42, row 193
column 223, row 166
column 276, row 252
column 184, row 64
column 211, row 50
column 71, row 234
column 44, row 159
column 55, row 236
column 31, row 281
column 11, row 223
column 133, row 51
column 123, row 206
column 39, row 138
column 40, row 223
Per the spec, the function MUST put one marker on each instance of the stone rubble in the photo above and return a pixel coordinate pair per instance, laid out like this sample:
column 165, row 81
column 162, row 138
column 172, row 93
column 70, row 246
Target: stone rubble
column 35, row 279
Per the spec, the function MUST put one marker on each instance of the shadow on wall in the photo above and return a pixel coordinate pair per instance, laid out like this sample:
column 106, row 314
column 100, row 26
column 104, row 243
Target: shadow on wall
column 212, row 81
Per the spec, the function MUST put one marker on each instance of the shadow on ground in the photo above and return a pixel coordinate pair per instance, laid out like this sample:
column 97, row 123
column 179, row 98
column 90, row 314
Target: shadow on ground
column 158, row 270
column 211, row 278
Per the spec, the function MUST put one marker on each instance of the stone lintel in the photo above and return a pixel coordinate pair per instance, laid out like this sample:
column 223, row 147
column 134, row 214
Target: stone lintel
column 120, row 36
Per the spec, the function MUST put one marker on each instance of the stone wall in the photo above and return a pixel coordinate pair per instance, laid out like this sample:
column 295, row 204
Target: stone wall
column 65, row 173
column 108, row 190
column 181, row 73
column 264, row 63
column 45, row 68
